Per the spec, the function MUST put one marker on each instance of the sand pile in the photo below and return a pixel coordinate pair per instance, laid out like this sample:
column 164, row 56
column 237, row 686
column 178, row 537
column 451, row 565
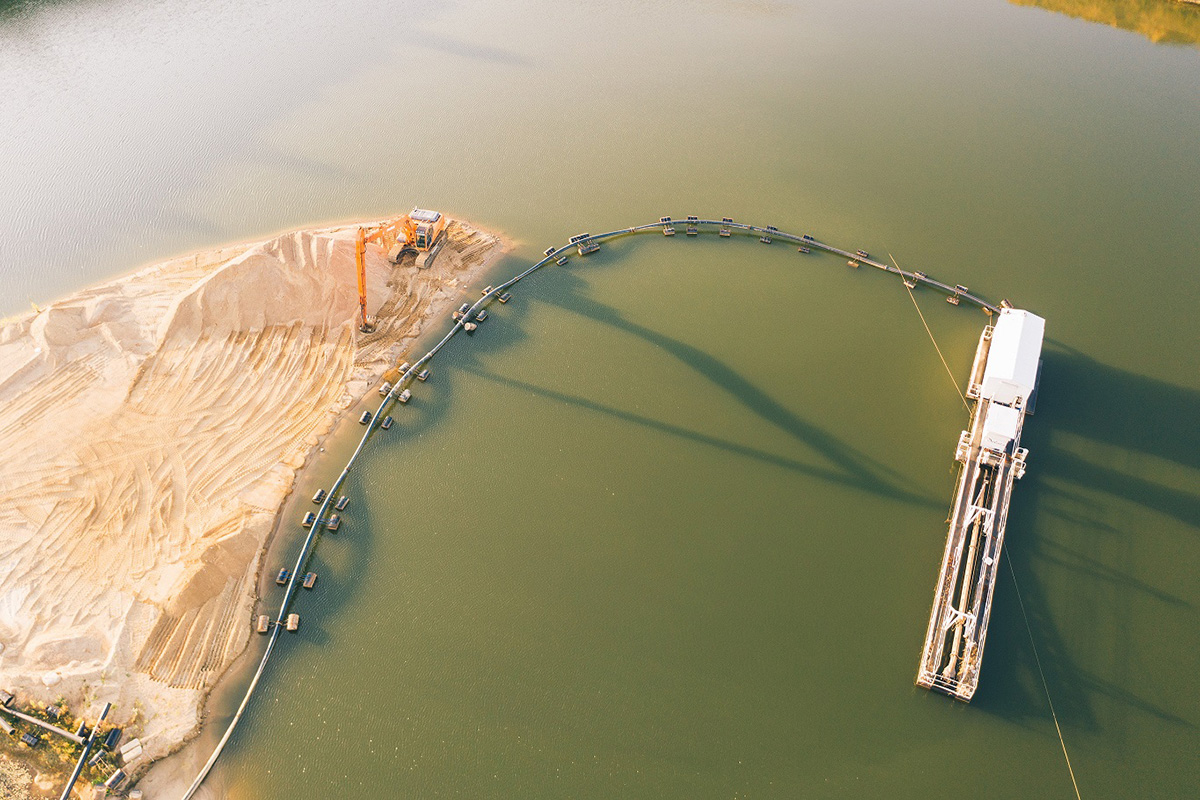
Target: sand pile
column 152, row 427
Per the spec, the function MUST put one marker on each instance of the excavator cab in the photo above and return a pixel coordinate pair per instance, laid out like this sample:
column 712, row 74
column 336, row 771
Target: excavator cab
column 426, row 227
column 419, row 230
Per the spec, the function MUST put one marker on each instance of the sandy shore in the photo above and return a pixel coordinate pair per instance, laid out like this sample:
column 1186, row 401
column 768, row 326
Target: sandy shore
column 152, row 427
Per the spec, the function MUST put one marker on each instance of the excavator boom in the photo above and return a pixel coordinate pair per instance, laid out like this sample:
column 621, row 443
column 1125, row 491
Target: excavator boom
column 366, row 325
column 419, row 230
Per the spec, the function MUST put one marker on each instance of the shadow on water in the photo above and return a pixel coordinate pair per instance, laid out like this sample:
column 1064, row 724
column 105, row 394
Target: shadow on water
column 848, row 466
column 340, row 559
column 845, row 478
column 1115, row 411
column 726, row 378
column 339, row 589
column 334, row 595
column 1080, row 397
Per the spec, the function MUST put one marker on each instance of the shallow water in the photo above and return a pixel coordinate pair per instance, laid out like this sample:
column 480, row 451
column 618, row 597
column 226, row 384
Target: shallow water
column 669, row 525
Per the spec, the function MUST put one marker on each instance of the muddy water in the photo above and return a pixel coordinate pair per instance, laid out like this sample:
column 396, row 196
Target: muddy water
column 669, row 525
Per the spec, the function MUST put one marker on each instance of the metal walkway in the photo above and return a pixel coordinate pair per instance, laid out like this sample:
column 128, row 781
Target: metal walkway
column 962, row 602
column 582, row 244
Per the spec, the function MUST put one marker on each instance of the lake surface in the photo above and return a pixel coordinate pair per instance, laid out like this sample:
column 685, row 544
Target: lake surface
column 669, row 525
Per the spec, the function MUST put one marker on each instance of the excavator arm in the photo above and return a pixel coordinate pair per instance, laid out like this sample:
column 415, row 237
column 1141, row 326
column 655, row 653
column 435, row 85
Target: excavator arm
column 389, row 234
column 366, row 323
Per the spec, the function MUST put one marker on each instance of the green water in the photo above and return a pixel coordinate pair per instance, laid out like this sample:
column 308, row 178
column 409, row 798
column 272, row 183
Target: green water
column 669, row 525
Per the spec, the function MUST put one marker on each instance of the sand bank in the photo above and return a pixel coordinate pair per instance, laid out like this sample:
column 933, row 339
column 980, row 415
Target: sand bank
column 152, row 427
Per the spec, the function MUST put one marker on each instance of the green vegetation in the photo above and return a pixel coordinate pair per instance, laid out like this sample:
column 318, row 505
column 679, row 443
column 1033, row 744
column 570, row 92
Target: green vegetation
column 54, row 754
column 1163, row 21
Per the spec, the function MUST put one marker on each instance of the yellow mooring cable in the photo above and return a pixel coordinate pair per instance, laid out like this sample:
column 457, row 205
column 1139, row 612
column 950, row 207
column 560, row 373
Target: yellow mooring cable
column 1045, row 686
column 912, row 297
column 1011, row 572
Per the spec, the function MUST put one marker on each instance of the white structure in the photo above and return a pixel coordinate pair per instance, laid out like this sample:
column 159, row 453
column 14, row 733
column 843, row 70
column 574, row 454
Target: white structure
column 1003, row 379
column 1012, row 360
column 1000, row 427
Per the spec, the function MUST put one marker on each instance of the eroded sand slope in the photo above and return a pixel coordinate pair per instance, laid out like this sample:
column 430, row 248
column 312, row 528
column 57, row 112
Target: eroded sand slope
column 151, row 427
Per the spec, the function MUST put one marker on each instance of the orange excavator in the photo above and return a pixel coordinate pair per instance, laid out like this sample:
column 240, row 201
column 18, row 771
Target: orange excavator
column 419, row 230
